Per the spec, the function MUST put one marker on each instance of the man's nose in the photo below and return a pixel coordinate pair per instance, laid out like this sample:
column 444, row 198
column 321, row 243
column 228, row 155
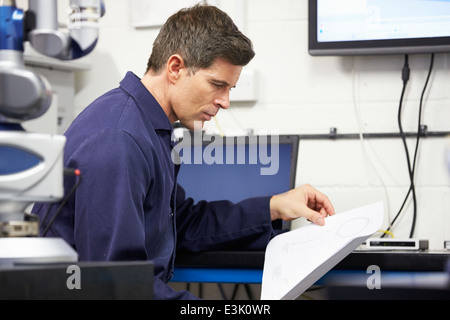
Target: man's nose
column 223, row 101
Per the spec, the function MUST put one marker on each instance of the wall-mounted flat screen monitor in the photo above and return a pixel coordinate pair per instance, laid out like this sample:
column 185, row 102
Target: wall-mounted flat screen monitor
column 378, row 27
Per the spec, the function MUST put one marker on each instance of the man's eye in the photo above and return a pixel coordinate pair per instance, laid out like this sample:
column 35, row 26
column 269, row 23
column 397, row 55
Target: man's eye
column 220, row 86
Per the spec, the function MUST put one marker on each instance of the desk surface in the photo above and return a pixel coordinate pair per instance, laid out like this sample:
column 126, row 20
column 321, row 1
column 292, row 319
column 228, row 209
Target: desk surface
column 125, row 280
column 386, row 260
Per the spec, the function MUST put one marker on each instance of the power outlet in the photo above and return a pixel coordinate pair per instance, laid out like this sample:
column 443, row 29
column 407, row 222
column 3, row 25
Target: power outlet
column 245, row 88
column 447, row 244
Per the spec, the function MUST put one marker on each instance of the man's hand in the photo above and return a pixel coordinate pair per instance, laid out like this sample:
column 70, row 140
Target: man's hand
column 304, row 202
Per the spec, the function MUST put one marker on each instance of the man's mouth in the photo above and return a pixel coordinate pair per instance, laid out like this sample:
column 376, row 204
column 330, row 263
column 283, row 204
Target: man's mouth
column 208, row 116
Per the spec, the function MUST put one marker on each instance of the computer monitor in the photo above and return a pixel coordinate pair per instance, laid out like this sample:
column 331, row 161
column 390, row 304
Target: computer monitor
column 375, row 27
column 237, row 168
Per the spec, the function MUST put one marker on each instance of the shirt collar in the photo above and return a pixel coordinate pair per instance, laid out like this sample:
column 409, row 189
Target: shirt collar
column 135, row 88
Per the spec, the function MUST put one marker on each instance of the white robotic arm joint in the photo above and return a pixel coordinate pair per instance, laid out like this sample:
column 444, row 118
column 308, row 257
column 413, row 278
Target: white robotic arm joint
column 25, row 95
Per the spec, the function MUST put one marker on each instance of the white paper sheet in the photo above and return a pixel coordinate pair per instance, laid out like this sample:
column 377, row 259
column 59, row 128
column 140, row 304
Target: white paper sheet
column 294, row 261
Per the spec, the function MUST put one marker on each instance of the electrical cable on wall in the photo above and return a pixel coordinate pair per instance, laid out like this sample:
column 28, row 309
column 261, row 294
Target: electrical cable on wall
column 363, row 141
column 412, row 168
column 405, row 77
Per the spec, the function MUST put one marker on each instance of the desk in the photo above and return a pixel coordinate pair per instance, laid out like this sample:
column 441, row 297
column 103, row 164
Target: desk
column 247, row 267
column 96, row 280
column 358, row 260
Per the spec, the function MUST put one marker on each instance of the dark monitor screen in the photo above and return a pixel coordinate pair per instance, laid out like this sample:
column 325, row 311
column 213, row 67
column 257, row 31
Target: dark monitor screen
column 360, row 27
column 238, row 168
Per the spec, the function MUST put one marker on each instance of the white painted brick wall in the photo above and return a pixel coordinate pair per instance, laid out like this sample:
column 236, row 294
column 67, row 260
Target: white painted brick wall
column 300, row 94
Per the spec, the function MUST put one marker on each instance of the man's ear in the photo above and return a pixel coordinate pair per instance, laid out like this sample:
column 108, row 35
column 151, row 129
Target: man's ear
column 175, row 65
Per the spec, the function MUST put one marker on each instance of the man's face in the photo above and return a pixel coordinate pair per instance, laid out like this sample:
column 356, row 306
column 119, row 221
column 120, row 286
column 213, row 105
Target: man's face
column 199, row 97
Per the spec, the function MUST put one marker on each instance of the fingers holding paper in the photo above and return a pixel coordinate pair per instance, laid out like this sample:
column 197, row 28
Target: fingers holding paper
column 303, row 202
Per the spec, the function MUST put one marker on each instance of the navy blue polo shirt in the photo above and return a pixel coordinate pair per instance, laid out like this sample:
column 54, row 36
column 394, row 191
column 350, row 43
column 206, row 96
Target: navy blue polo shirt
column 129, row 206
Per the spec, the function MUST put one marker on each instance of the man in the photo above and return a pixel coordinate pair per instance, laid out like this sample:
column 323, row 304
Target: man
column 129, row 206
